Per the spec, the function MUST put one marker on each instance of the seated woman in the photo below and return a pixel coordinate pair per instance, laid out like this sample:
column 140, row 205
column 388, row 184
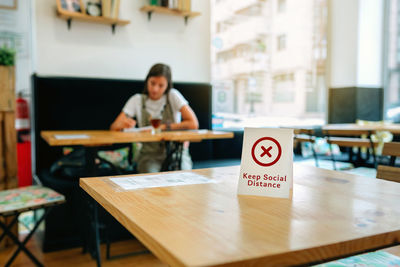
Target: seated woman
column 158, row 98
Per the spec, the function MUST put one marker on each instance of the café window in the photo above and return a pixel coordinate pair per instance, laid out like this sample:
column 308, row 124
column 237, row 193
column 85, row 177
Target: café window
column 252, row 83
column 284, row 88
column 392, row 62
column 281, row 6
column 281, row 42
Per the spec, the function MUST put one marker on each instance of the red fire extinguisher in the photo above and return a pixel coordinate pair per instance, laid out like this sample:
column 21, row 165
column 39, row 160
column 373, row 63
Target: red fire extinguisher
column 22, row 122
column 22, row 125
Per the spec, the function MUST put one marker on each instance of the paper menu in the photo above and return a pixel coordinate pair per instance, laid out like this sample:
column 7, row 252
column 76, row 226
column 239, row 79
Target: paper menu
column 71, row 136
column 140, row 129
column 160, row 180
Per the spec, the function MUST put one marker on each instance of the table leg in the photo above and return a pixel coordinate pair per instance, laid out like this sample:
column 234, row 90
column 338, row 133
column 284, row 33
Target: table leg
column 179, row 155
column 90, row 156
column 95, row 227
column 173, row 158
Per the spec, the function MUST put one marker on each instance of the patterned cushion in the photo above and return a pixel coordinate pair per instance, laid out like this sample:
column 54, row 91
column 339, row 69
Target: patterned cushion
column 30, row 197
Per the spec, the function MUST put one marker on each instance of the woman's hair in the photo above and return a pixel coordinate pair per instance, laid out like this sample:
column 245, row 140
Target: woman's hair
column 159, row 70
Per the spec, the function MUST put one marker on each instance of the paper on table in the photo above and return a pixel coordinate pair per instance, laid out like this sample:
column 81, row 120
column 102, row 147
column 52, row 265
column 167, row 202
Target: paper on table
column 160, row 180
column 140, row 129
column 200, row 131
column 71, row 136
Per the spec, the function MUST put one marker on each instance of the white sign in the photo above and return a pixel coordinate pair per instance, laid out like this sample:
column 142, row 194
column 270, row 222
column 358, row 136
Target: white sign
column 267, row 162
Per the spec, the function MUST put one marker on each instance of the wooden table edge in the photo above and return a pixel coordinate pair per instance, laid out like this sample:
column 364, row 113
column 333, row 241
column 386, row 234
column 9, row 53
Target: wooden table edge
column 324, row 254
column 51, row 141
column 46, row 137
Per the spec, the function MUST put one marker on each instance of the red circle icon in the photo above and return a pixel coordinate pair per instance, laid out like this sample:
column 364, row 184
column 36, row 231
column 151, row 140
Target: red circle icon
column 266, row 151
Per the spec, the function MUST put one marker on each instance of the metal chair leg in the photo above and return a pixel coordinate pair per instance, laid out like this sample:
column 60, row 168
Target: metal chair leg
column 9, row 226
column 315, row 155
column 333, row 157
column 373, row 150
column 21, row 245
column 108, row 245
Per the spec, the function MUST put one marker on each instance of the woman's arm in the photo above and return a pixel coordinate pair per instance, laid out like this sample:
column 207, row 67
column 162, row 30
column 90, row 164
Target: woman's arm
column 189, row 120
column 122, row 122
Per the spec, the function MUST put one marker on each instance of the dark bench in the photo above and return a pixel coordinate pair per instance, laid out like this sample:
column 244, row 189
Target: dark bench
column 64, row 103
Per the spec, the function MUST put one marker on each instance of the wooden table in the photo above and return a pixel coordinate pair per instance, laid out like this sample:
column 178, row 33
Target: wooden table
column 332, row 214
column 96, row 138
column 393, row 128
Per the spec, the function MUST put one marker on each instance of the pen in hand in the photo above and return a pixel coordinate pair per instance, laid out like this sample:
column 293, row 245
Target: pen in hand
column 128, row 122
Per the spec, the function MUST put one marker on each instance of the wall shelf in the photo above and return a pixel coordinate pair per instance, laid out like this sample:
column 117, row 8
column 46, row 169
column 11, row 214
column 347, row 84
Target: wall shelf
column 69, row 16
column 168, row 11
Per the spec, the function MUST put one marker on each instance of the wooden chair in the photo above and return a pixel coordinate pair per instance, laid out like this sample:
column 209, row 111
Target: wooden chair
column 351, row 138
column 390, row 173
column 306, row 135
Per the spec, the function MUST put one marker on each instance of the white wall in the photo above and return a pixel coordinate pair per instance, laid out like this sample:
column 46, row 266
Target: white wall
column 91, row 50
column 355, row 43
column 343, row 28
column 17, row 22
column 370, row 36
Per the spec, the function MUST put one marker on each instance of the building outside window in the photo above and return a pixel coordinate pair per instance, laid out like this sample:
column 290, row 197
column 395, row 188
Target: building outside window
column 281, row 6
column 283, row 88
column 392, row 65
column 253, row 84
column 281, row 42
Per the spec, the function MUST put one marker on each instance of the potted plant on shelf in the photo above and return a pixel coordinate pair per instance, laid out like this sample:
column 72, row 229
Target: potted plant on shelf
column 7, row 79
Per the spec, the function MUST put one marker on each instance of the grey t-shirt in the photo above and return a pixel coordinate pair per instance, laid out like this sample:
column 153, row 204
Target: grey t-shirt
column 133, row 106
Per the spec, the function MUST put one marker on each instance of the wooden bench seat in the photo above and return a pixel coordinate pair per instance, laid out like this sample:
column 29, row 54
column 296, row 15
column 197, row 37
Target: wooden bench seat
column 306, row 135
column 351, row 138
column 304, row 138
column 352, row 142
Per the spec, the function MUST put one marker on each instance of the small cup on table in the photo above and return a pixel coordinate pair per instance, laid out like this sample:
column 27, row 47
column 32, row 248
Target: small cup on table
column 155, row 123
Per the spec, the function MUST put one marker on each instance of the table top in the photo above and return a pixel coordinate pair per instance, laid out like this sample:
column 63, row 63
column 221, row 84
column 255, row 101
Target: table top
column 331, row 214
column 100, row 137
column 393, row 128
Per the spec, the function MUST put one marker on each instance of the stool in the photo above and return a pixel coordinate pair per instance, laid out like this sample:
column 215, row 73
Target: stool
column 13, row 202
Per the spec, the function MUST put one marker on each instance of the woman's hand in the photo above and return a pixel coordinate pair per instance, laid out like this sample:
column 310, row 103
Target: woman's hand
column 189, row 120
column 122, row 122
